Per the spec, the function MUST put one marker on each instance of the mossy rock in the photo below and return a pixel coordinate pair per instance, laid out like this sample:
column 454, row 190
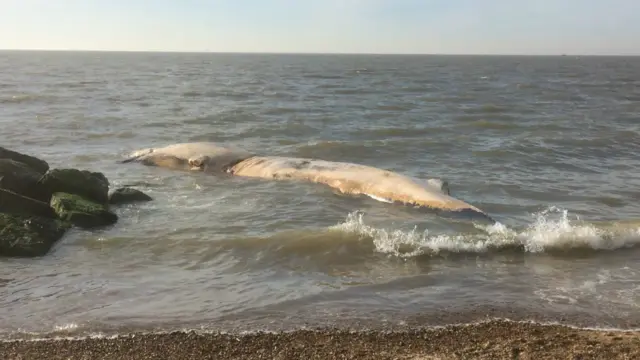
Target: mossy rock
column 93, row 186
column 125, row 195
column 34, row 163
column 29, row 236
column 81, row 212
column 21, row 179
column 13, row 203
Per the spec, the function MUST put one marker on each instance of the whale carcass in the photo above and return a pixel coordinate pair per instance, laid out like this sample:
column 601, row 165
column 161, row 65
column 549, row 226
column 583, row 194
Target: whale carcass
column 347, row 178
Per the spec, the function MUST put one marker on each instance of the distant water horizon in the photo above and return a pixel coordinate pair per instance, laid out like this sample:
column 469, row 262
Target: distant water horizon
column 560, row 54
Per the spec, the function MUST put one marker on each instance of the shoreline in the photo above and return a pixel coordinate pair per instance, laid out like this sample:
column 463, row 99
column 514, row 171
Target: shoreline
column 492, row 339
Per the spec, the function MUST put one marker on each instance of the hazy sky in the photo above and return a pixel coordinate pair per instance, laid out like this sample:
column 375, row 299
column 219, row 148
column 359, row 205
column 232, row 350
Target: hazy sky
column 352, row 26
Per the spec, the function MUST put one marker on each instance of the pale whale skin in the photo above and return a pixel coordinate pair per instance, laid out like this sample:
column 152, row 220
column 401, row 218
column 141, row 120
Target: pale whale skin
column 200, row 156
column 356, row 179
column 347, row 178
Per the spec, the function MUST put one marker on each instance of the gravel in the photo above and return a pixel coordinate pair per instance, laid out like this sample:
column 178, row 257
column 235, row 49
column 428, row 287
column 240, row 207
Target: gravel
column 489, row 340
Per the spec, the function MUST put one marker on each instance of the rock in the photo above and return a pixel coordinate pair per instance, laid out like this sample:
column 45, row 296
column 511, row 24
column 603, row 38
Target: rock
column 14, row 203
column 126, row 195
column 93, row 186
column 81, row 212
column 36, row 164
column 21, row 179
column 29, row 236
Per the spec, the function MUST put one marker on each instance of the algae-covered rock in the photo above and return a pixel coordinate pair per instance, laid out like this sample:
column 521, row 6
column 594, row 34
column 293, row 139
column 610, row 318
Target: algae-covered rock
column 21, row 179
column 36, row 164
column 13, row 203
column 81, row 212
column 29, row 236
column 93, row 186
column 125, row 195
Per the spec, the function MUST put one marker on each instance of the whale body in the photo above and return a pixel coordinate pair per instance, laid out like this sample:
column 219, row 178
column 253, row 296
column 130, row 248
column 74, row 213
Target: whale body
column 347, row 178
column 197, row 156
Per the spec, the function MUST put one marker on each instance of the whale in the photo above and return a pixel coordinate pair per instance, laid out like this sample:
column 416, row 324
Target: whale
column 356, row 179
column 347, row 178
column 197, row 156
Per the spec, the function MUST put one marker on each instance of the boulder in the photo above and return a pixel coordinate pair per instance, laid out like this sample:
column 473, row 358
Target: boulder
column 29, row 236
column 81, row 212
column 125, row 195
column 36, row 164
column 14, row 203
column 21, row 179
column 93, row 186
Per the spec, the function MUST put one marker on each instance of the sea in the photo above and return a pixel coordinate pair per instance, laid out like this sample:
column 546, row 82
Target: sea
column 548, row 146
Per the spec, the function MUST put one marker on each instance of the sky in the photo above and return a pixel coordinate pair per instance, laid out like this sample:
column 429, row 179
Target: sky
column 537, row 27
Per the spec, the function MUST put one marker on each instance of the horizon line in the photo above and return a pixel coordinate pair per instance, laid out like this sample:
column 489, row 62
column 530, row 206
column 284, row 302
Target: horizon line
column 316, row 53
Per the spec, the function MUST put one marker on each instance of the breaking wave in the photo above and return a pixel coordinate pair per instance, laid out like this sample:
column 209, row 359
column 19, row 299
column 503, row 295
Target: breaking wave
column 551, row 230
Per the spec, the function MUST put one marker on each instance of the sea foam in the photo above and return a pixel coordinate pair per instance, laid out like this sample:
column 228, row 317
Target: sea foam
column 551, row 229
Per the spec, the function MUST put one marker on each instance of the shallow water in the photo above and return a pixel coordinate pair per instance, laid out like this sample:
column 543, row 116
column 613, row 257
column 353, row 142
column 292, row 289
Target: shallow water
column 546, row 145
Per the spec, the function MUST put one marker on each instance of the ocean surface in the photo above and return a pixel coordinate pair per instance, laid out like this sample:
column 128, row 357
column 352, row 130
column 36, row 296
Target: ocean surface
column 548, row 146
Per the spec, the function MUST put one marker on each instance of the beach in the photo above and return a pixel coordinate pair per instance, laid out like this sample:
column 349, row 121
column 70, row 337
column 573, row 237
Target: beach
column 496, row 339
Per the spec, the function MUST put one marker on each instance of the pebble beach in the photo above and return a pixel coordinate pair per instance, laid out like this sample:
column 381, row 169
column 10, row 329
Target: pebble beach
column 497, row 339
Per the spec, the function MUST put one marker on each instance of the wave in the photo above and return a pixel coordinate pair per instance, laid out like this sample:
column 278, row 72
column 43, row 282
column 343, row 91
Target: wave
column 486, row 109
column 492, row 125
column 323, row 76
column 27, row 98
column 335, row 149
column 552, row 230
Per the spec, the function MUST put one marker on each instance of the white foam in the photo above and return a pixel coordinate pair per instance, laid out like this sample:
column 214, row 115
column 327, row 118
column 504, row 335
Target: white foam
column 66, row 327
column 550, row 229
column 238, row 335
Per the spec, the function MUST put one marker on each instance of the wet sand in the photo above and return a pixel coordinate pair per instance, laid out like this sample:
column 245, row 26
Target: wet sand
column 490, row 340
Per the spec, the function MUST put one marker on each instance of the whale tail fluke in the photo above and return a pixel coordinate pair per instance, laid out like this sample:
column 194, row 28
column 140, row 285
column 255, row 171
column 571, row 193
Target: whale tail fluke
column 468, row 214
column 473, row 215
